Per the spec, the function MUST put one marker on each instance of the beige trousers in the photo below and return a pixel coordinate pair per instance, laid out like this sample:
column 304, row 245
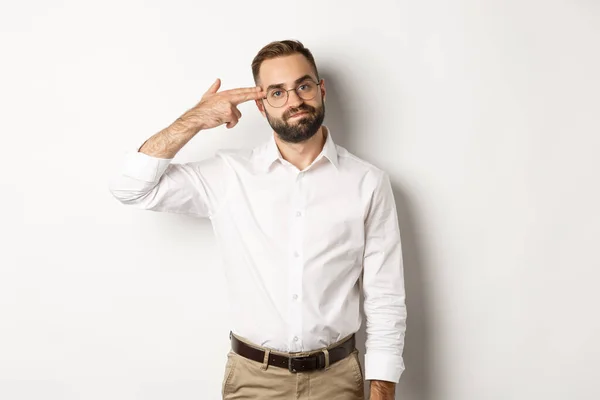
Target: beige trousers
column 249, row 380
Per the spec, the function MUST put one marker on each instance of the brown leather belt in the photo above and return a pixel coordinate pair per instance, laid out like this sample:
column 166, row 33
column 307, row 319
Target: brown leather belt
column 295, row 364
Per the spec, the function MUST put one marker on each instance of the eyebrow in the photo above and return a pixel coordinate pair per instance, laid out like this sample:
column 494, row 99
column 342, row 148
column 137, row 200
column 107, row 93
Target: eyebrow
column 282, row 85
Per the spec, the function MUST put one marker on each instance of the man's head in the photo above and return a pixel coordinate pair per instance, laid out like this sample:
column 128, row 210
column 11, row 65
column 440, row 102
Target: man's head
column 286, row 70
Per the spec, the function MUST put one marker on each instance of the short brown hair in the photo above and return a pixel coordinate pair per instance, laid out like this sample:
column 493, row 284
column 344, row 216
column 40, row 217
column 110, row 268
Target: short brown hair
column 280, row 49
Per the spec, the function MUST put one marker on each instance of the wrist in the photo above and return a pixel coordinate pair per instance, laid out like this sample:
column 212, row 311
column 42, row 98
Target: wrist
column 185, row 127
column 194, row 119
column 383, row 388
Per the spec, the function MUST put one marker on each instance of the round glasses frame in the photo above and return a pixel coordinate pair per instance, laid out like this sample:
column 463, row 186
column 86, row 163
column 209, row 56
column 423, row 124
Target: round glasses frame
column 287, row 94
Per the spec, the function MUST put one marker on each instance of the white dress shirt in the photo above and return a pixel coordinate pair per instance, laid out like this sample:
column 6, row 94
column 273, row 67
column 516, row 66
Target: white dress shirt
column 294, row 243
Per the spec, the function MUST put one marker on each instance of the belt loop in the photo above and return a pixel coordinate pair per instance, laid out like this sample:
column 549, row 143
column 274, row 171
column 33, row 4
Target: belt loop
column 266, row 360
column 326, row 352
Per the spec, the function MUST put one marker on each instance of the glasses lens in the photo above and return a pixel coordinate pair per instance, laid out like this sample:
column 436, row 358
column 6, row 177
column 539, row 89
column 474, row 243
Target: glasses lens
column 277, row 97
column 307, row 90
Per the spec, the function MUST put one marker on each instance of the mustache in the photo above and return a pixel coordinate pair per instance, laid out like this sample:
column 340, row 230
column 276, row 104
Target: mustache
column 305, row 108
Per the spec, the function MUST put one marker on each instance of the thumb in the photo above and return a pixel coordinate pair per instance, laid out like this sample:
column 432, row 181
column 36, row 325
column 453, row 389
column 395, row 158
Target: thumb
column 215, row 86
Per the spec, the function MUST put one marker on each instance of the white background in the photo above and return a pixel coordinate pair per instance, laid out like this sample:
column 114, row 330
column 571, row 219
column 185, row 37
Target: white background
column 486, row 114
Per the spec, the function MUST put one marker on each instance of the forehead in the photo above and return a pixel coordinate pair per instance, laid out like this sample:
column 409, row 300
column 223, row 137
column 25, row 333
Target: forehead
column 285, row 70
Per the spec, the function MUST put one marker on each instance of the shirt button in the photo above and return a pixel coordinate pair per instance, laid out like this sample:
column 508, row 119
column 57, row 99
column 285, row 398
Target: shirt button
column 295, row 338
column 296, row 254
column 298, row 213
column 295, row 297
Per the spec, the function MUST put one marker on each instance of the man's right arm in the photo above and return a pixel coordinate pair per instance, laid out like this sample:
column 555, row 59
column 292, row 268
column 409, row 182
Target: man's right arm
column 149, row 180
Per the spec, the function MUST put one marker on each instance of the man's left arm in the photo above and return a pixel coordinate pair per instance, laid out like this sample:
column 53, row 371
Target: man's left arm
column 384, row 295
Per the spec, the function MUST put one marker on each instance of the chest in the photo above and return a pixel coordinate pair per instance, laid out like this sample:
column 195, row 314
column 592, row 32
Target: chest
column 303, row 208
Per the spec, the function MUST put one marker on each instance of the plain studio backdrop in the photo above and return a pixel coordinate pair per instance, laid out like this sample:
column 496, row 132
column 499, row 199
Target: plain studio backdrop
column 486, row 115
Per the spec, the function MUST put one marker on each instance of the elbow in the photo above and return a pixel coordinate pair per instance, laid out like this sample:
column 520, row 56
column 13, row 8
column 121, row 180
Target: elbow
column 127, row 195
column 122, row 196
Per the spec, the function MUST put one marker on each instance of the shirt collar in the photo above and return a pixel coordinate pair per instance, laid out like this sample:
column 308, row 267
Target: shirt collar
column 272, row 153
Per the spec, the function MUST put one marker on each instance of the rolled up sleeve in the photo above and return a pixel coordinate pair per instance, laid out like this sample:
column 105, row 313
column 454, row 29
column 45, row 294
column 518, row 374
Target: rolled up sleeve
column 158, row 184
column 383, row 287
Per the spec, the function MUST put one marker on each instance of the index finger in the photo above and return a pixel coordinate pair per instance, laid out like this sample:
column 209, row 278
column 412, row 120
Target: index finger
column 242, row 97
column 241, row 90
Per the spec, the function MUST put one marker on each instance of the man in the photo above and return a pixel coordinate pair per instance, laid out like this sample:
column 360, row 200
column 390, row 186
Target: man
column 299, row 219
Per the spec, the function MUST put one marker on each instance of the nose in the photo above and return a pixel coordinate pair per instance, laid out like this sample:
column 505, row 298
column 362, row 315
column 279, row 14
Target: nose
column 293, row 99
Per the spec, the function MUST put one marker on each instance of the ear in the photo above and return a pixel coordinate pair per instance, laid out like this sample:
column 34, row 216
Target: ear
column 260, row 106
column 323, row 91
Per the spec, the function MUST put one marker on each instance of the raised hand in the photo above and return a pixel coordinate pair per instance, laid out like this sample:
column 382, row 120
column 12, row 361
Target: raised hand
column 217, row 108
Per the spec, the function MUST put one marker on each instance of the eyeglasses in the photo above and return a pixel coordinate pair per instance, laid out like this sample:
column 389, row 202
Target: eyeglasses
column 278, row 97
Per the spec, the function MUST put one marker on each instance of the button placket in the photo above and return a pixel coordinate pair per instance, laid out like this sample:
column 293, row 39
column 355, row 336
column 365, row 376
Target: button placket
column 296, row 266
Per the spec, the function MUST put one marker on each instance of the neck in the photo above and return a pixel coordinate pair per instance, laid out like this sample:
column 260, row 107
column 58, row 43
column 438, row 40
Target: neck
column 301, row 155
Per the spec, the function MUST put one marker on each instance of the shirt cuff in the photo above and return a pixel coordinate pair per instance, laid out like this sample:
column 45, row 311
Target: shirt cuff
column 143, row 167
column 383, row 367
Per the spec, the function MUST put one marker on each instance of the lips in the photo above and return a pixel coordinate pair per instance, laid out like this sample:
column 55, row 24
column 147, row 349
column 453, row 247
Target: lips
column 299, row 114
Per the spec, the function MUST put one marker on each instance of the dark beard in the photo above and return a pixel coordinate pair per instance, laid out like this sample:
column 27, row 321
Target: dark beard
column 304, row 128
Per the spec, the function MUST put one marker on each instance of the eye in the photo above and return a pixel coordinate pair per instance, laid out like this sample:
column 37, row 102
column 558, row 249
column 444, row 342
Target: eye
column 304, row 86
column 276, row 93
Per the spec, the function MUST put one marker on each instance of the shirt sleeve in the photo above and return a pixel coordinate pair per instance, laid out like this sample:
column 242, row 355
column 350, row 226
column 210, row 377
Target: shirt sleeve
column 383, row 287
column 158, row 184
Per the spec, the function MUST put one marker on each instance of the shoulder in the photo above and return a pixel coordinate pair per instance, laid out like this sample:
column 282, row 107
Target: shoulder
column 240, row 154
column 360, row 167
column 243, row 156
